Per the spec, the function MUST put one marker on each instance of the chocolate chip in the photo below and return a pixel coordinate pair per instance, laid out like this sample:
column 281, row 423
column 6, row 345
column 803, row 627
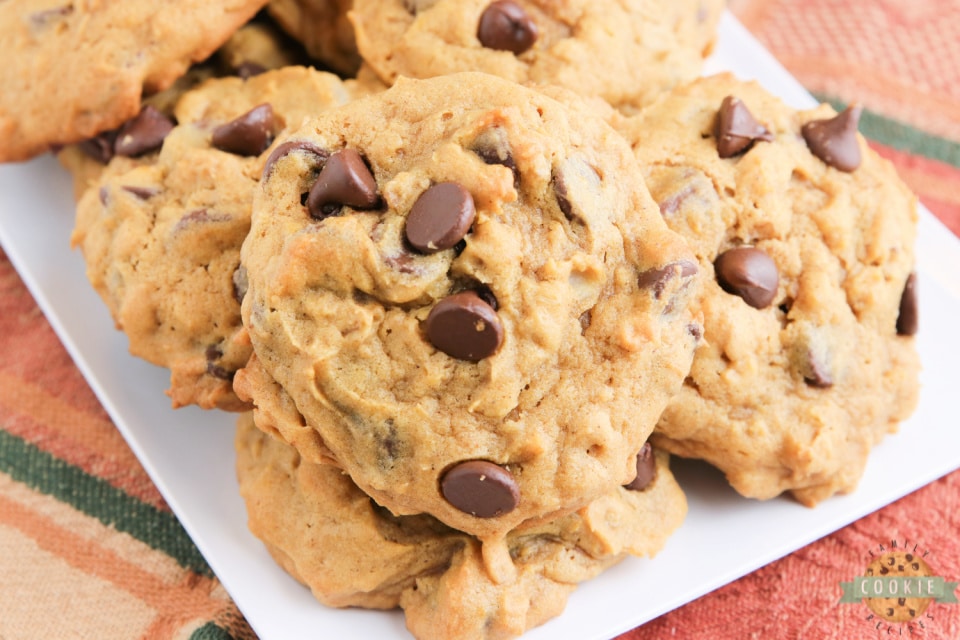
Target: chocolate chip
column 47, row 16
column 834, row 140
column 142, row 134
column 212, row 354
column 907, row 321
column 344, row 180
column 817, row 373
column 493, row 147
column 577, row 176
column 646, row 469
column 485, row 294
column 144, row 193
column 240, row 283
column 465, row 327
column 736, row 128
column 247, row 135
column 100, row 147
column 657, row 279
column 246, row 70
column 505, row 26
column 749, row 273
column 292, row 146
column 480, row 488
column 440, row 217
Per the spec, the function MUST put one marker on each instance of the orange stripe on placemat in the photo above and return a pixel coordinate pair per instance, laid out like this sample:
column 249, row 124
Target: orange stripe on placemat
column 934, row 182
column 84, row 440
column 936, row 114
column 176, row 604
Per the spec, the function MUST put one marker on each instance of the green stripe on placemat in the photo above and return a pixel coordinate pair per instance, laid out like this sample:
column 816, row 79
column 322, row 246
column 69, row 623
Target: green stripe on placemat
column 210, row 631
column 901, row 136
column 93, row 496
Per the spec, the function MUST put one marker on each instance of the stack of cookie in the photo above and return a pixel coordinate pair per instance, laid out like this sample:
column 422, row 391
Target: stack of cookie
column 469, row 270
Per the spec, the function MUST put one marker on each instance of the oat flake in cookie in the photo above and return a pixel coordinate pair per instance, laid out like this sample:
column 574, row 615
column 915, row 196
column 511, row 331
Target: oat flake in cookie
column 335, row 539
column 623, row 52
column 805, row 238
column 72, row 69
column 513, row 321
column 161, row 233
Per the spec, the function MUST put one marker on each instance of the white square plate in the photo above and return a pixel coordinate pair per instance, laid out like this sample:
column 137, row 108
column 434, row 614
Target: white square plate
column 189, row 453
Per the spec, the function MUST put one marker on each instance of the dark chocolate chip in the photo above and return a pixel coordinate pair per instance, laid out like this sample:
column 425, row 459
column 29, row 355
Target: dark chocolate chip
column 585, row 319
column 480, row 488
column 143, row 134
column 292, row 146
column 212, row 354
column 344, row 180
column 144, row 193
column 440, row 217
column 100, row 147
column 246, row 70
column 465, row 327
column 696, row 331
column 749, row 273
column 505, row 26
column 493, row 148
column 240, row 283
column 247, row 135
column 576, row 174
column 834, row 140
column 817, row 373
column 907, row 321
column 646, row 469
column 657, row 279
column 737, row 129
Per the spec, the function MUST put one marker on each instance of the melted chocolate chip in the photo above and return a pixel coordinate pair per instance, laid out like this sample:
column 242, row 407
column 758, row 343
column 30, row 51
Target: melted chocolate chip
column 480, row 488
column 737, row 129
column 749, row 273
column 465, row 327
column 907, row 321
column 834, row 140
column 344, row 180
column 440, row 217
column 657, row 279
column 240, row 283
column 143, row 134
column 292, row 146
column 505, row 26
column 247, row 135
column 100, row 147
column 646, row 469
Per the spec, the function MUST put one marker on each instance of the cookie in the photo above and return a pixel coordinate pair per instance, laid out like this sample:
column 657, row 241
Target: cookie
column 323, row 29
column 624, row 52
column 805, row 238
column 72, row 70
column 256, row 47
column 898, row 564
column 349, row 551
column 161, row 232
column 460, row 281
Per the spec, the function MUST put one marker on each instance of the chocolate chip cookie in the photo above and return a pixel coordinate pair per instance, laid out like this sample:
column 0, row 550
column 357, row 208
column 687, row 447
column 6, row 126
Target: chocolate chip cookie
column 805, row 238
column 73, row 69
column 624, row 52
column 335, row 539
column 466, row 290
column 323, row 29
column 161, row 230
